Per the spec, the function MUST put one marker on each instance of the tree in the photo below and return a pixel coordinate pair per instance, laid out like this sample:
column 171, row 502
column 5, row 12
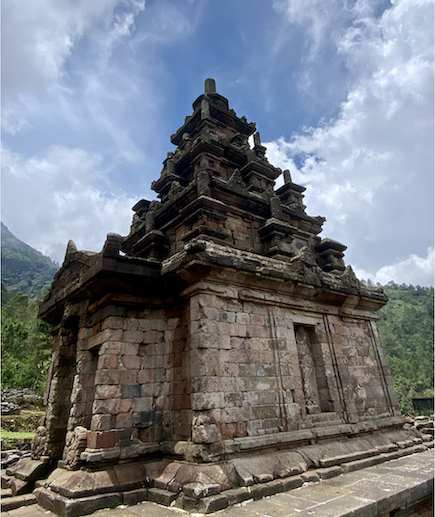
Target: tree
column 25, row 345
column 406, row 327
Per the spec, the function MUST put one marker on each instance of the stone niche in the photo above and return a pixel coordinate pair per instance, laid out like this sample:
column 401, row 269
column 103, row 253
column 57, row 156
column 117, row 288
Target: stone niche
column 221, row 351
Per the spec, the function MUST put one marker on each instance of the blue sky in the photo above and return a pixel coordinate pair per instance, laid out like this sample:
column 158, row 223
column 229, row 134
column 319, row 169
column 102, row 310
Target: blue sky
column 341, row 91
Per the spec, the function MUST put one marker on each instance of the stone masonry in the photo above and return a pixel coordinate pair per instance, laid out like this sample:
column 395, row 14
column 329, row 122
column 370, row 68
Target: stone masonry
column 219, row 352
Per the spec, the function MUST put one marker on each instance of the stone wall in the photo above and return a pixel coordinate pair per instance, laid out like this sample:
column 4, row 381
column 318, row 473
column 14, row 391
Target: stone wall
column 248, row 361
column 254, row 375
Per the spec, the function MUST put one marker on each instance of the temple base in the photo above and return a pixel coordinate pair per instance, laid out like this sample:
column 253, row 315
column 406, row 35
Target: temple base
column 208, row 487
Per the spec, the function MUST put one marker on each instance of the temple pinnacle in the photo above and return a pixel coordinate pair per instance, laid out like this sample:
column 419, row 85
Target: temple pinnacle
column 210, row 86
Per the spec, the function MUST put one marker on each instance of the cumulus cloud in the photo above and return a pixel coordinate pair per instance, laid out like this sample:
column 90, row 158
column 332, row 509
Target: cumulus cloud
column 62, row 196
column 39, row 36
column 412, row 270
column 38, row 39
column 370, row 170
column 320, row 19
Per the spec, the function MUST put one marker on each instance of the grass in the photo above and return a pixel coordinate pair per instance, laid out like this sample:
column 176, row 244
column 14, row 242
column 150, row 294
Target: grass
column 10, row 435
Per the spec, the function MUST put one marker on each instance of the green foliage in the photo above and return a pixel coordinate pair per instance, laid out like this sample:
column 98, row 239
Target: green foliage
column 406, row 327
column 8, row 435
column 23, row 268
column 25, row 345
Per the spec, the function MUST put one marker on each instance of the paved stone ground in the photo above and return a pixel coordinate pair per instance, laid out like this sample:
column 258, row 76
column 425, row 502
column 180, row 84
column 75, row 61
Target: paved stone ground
column 372, row 492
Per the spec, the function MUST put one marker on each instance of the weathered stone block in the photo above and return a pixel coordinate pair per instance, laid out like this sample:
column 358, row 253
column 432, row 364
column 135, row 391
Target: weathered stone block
column 124, row 420
column 28, row 469
column 133, row 497
column 111, row 347
column 202, row 401
column 130, row 391
column 106, row 406
column 329, row 472
column 201, row 490
column 310, row 477
column 107, row 391
column 45, row 498
column 237, row 495
column 102, row 439
column 128, row 377
column 142, row 404
column 132, row 336
column 108, row 362
column 101, row 422
column 108, row 377
column 160, row 496
column 19, row 487
column 125, row 405
column 130, row 362
column 206, row 433
column 144, row 419
column 227, row 316
column 85, row 505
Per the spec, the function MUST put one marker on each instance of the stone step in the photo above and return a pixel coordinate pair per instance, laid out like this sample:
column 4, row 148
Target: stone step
column 11, row 503
column 329, row 472
column 6, row 481
column 364, row 463
column 344, row 458
column 160, row 496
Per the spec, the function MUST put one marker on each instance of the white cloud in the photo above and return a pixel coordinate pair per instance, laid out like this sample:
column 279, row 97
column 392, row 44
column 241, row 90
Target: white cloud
column 320, row 19
column 62, row 196
column 412, row 270
column 39, row 36
column 370, row 170
column 38, row 40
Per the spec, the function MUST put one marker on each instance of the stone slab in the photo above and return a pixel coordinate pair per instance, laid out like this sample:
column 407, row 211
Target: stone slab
column 19, row 501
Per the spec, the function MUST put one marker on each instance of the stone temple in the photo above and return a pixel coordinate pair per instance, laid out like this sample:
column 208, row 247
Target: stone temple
column 220, row 352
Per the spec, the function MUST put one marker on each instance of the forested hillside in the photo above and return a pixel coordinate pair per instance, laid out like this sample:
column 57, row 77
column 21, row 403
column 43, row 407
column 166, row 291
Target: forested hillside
column 25, row 344
column 406, row 326
column 23, row 268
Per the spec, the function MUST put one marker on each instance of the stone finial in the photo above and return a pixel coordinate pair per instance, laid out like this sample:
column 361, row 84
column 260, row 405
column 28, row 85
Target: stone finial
column 210, row 86
column 257, row 139
column 71, row 249
column 287, row 176
column 112, row 245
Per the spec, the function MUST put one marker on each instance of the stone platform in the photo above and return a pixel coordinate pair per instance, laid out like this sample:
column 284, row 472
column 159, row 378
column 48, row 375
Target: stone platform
column 399, row 488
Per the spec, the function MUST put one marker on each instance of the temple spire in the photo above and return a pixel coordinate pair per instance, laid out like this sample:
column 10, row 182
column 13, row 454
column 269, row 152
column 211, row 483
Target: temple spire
column 210, row 86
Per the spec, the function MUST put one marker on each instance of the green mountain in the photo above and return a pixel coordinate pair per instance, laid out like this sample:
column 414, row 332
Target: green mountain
column 23, row 268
